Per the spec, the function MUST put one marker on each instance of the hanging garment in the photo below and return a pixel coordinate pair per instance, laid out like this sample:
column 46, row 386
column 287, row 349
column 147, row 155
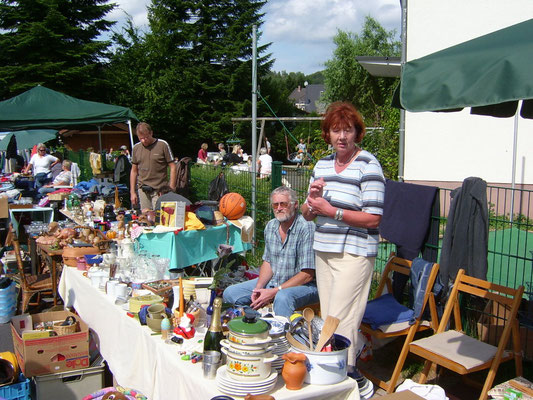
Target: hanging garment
column 465, row 242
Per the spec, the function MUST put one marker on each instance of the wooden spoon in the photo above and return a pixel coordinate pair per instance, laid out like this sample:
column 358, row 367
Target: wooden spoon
column 294, row 342
column 308, row 315
column 330, row 325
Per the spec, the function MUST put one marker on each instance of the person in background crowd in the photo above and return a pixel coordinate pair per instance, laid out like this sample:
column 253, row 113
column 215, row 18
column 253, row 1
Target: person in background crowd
column 41, row 164
column 221, row 150
column 346, row 196
column 151, row 158
column 202, row 154
column 64, row 178
column 301, row 147
column 57, row 168
column 235, row 157
column 264, row 163
column 287, row 274
column 267, row 145
column 122, row 171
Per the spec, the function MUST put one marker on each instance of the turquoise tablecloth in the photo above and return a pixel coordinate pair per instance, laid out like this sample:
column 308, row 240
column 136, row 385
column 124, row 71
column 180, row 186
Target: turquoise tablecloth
column 192, row 247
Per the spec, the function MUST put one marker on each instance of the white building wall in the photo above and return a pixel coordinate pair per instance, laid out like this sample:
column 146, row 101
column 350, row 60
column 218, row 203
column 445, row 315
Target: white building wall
column 448, row 147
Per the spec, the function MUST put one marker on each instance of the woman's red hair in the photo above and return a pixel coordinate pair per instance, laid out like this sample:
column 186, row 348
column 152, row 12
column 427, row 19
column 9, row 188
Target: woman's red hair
column 341, row 114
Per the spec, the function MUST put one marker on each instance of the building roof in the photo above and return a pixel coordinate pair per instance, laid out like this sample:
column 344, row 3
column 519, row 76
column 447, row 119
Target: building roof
column 307, row 98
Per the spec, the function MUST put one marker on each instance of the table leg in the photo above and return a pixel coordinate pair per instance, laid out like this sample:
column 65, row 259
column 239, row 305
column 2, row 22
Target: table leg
column 54, row 279
column 33, row 255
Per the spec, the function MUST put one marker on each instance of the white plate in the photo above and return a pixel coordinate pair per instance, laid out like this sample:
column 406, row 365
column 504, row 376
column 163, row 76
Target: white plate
column 239, row 388
column 243, row 393
column 223, row 376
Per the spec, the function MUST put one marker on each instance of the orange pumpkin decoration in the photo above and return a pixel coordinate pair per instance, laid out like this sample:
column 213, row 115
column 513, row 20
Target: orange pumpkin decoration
column 111, row 235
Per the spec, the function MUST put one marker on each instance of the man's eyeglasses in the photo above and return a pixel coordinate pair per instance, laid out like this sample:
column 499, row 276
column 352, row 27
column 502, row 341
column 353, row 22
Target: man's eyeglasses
column 282, row 204
column 42, row 149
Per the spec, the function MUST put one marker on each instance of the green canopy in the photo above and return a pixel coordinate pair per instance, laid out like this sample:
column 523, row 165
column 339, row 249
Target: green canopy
column 45, row 108
column 489, row 73
column 28, row 139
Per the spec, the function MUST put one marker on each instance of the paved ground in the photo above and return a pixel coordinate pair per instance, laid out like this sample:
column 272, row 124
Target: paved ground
column 6, row 342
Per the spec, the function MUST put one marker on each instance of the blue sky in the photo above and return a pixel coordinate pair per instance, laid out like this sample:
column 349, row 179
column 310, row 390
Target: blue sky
column 301, row 31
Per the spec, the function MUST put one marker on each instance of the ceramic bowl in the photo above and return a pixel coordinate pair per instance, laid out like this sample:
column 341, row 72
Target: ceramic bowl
column 156, row 311
column 153, row 323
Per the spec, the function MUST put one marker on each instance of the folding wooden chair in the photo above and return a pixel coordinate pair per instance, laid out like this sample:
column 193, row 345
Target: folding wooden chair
column 29, row 284
column 402, row 266
column 453, row 349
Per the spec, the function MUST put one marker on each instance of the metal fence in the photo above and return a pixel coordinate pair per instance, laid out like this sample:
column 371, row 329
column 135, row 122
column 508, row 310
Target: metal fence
column 510, row 252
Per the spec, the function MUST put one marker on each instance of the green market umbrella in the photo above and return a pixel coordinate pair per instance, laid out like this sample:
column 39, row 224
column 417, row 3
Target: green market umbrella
column 28, row 139
column 490, row 73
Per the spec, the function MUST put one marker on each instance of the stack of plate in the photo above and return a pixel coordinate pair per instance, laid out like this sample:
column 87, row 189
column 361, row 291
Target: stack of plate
column 280, row 347
column 230, row 386
column 279, row 342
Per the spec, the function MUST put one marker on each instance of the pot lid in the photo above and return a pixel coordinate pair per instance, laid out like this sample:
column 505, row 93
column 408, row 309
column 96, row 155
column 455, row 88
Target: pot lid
column 249, row 324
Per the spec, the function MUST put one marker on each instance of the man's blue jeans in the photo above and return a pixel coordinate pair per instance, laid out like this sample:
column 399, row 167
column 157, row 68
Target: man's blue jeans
column 285, row 302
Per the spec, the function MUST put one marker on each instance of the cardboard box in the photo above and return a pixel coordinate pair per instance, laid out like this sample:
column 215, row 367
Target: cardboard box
column 403, row 395
column 4, row 209
column 490, row 328
column 54, row 354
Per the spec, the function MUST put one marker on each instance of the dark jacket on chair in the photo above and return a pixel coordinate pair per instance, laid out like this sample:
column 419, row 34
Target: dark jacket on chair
column 465, row 242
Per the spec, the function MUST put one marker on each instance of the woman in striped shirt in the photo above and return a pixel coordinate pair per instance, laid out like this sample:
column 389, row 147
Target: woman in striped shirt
column 346, row 195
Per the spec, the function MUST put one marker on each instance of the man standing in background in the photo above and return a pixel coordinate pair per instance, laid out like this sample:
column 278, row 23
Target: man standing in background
column 150, row 159
column 267, row 145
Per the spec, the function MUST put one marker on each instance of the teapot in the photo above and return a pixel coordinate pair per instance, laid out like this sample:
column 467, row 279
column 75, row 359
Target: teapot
column 126, row 248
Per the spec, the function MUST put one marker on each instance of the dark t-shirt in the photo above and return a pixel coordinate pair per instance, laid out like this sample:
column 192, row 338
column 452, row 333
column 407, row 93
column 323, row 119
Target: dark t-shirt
column 152, row 163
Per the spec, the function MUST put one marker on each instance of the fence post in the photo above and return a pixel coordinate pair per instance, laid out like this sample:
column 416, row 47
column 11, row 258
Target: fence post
column 277, row 166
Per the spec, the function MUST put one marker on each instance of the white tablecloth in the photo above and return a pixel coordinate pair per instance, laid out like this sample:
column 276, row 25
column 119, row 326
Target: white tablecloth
column 144, row 362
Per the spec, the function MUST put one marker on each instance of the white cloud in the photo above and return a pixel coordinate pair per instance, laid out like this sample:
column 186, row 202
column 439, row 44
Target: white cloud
column 137, row 9
column 301, row 31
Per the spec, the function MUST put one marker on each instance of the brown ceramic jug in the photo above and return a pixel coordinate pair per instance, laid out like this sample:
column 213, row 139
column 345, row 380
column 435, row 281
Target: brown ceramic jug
column 294, row 370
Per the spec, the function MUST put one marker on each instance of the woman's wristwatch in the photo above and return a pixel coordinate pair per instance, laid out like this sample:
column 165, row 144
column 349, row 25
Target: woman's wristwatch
column 339, row 214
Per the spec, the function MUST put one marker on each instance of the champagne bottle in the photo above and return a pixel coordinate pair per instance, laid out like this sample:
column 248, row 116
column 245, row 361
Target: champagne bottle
column 214, row 334
column 209, row 311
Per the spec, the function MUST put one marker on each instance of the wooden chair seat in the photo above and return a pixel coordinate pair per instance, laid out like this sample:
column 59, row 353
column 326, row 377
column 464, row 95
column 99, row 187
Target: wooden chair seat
column 465, row 353
column 37, row 282
column 399, row 329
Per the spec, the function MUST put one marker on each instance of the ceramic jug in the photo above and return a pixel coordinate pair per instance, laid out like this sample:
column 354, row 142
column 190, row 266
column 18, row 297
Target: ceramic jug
column 126, row 247
column 294, row 370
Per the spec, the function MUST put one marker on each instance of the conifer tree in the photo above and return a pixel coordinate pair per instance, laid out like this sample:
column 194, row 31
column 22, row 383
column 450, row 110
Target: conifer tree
column 196, row 71
column 53, row 43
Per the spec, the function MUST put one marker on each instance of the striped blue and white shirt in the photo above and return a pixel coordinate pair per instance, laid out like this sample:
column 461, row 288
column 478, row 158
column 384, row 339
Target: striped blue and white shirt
column 359, row 187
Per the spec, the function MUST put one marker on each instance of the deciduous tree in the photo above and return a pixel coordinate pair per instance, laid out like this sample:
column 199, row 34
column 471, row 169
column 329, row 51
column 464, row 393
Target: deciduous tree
column 347, row 80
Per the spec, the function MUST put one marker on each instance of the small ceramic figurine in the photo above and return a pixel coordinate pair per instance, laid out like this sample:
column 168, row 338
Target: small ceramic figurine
column 185, row 327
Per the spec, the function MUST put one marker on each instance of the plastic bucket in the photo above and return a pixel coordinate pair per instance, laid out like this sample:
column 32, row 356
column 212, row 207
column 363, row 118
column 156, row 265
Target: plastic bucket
column 8, row 302
column 327, row 368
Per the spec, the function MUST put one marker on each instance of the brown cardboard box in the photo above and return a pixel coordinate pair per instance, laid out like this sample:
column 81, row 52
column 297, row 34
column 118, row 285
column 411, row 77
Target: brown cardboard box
column 4, row 210
column 49, row 355
column 490, row 328
column 403, row 395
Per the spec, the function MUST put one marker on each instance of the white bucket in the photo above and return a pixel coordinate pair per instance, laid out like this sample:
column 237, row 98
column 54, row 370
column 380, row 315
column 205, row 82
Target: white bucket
column 326, row 368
